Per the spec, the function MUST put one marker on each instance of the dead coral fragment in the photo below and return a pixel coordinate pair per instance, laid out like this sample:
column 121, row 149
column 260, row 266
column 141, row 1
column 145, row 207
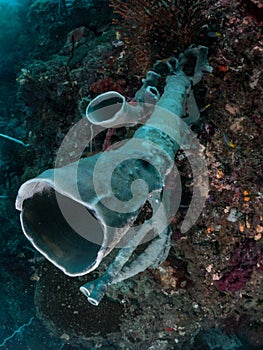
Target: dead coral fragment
column 165, row 274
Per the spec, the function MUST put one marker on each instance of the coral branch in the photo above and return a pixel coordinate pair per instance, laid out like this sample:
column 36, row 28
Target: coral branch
column 14, row 139
column 155, row 29
column 17, row 331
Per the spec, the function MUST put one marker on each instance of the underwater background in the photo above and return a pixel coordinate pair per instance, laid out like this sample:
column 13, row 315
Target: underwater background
column 55, row 57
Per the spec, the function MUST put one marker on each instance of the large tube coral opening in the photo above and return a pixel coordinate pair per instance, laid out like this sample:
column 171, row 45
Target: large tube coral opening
column 49, row 231
column 98, row 114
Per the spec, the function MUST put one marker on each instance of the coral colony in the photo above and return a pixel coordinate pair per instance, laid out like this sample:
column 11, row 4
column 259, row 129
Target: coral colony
column 37, row 197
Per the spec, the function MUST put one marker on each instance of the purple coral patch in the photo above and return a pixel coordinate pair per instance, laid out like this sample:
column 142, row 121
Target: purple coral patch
column 247, row 256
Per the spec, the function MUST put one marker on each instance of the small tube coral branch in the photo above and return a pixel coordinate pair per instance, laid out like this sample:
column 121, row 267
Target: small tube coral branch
column 15, row 140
